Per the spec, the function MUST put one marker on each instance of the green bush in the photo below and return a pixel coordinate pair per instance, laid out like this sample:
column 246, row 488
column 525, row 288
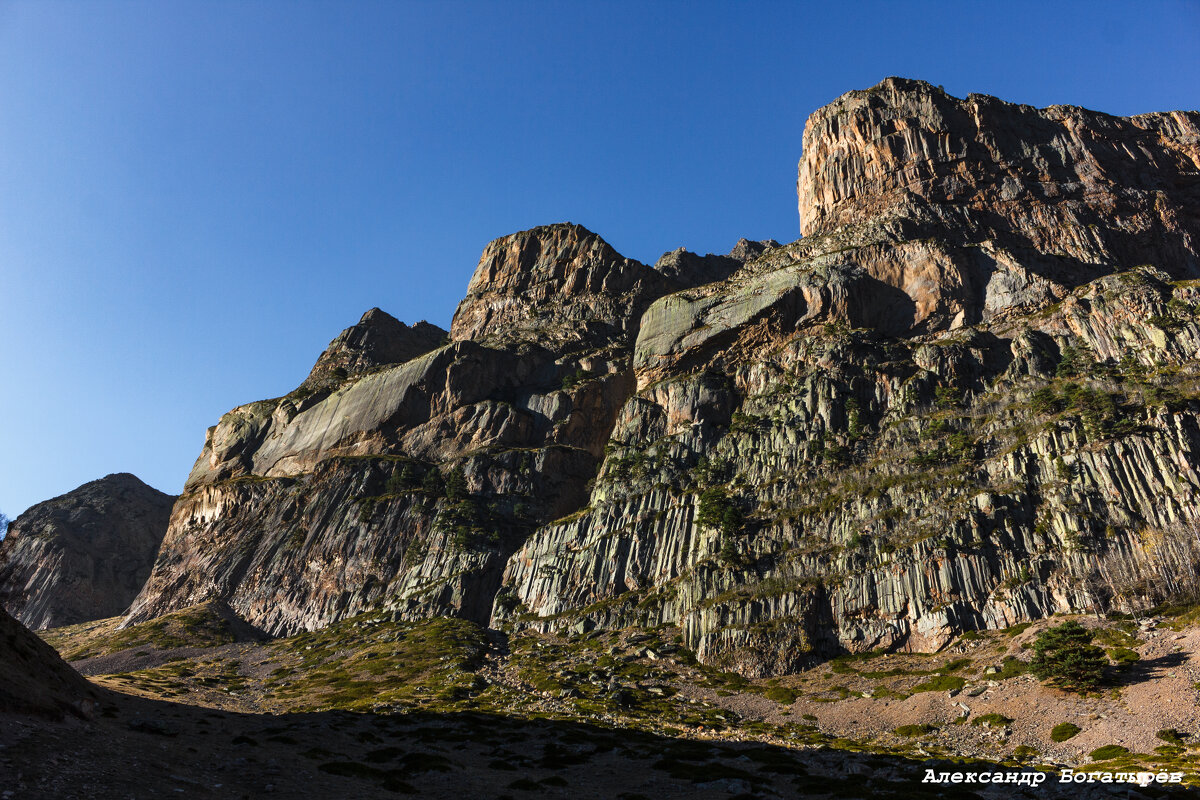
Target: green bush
column 854, row 425
column 718, row 511
column 1046, row 401
column 1066, row 657
column 781, row 694
column 913, row 730
column 402, row 479
column 992, row 720
column 948, row 396
column 1017, row 630
column 1073, row 362
column 573, row 379
column 940, row 683
column 1109, row 751
column 432, row 483
column 456, row 484
column 1171, row 736
column 1164, row 322
column 961, row 446
column 1064, row 731
column 728, row 554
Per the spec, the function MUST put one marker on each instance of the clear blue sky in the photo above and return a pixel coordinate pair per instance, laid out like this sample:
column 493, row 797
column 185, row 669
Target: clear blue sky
column 196, row 197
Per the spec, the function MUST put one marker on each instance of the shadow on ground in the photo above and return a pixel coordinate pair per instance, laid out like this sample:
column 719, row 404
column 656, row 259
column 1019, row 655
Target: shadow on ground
column 139, row 748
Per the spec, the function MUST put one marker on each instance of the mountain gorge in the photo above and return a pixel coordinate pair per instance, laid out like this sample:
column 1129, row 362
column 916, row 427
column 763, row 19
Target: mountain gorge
column 966, row 398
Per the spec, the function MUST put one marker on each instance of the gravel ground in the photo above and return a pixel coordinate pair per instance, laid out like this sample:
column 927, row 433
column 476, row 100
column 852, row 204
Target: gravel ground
column 1158, row 693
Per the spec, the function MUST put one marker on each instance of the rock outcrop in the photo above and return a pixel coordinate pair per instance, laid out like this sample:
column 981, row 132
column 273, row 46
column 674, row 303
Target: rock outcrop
column 1017, row 204
column 689, row 270
column 968, row 397
column 36, row 680
column 560, row 285
column 378, row 340
column 836, row 489
column 949, row 406
column 83, row 555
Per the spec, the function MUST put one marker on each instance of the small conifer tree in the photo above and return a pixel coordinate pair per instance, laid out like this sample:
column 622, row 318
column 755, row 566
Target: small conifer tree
column 1066, row 657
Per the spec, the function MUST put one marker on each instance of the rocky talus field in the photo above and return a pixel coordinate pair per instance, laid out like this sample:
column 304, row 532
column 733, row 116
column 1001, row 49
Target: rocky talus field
column 783, row 522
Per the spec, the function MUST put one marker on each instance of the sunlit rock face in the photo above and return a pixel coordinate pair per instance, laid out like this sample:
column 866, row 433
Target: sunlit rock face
column 941, row 409
column 1020, row 204
column 558, row 284
column 962, row 399
column 84, row 555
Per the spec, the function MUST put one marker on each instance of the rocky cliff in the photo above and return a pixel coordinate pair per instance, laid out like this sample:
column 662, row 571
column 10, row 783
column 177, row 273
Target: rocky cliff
column 412, row 483
column 966, row 398
column 976, row 206
column 378, row 340
column 84, row 555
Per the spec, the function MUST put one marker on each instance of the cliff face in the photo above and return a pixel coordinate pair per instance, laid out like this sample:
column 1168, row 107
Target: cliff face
column 838, row 489
column 966, row 398
column 84, row 555
column 1017, row 205
column 410, row 484
column 560, row 285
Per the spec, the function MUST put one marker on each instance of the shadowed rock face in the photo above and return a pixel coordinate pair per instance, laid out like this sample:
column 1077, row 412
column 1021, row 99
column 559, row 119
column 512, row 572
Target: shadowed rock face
column 36, row 680
column 968, row 397
column 378, row 340
column 84, row 555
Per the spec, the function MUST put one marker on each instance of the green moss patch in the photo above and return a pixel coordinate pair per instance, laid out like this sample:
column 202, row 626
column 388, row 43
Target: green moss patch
column 1064, row 731
column 1109, row 751
column 940, row 683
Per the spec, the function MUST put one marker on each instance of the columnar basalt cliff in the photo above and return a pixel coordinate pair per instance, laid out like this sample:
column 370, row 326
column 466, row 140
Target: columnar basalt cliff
column 84, row 555
column 964, row 399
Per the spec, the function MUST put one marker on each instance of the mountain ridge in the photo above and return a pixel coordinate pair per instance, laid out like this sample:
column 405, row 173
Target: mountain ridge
column 603, row 443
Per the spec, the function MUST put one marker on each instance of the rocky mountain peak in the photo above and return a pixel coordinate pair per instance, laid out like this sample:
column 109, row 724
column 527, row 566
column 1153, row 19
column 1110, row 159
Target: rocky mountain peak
column 974, row 207
column 83, row 555
column 379, row 339
column 747, row 249
column 1093, row 187
column 557, row 282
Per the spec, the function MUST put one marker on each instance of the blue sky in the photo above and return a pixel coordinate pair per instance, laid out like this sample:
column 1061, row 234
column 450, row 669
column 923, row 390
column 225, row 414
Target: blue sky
column 198, row 196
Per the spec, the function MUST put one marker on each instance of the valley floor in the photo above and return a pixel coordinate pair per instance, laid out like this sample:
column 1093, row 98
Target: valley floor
column 376, row 707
